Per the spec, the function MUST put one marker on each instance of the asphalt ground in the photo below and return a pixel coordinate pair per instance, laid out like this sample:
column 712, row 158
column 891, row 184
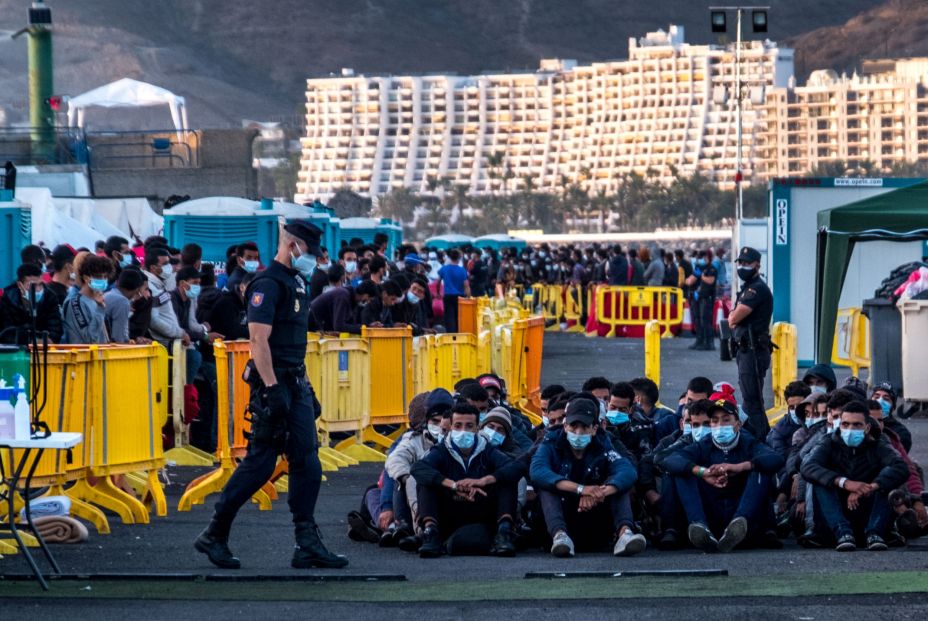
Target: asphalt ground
column 790, row 583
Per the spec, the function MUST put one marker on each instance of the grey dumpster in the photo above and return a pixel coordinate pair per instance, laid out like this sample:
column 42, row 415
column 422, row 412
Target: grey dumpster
column 885, row 342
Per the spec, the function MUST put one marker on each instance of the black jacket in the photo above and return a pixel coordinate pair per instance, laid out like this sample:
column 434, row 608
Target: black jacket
column 335, row 311
column 705, row 453
column 444, row 462
column 15, row 320
column 873, row 461
column 905, row 436
column 375, row 311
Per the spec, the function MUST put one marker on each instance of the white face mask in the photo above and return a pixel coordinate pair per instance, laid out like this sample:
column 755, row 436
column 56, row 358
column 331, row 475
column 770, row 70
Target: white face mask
column 166, row 270
column 435, row 431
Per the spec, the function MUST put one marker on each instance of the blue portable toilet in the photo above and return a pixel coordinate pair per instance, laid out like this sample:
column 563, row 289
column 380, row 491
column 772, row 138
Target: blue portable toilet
column 451, row 240
column 15, row 233
column 365, row 229
column 499, row 241
column 321, row 216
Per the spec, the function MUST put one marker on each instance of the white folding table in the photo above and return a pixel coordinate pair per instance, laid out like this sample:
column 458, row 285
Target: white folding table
column 13, row 479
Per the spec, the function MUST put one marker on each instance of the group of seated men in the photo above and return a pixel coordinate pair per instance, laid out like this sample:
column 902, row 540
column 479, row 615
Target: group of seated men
column 610, row 466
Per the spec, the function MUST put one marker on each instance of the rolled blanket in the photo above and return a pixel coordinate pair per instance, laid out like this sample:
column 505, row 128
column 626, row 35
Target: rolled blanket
column 48, row 505
column 61, row 529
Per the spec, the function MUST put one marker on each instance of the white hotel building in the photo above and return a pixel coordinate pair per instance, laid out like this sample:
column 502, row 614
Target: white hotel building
column 670, row 105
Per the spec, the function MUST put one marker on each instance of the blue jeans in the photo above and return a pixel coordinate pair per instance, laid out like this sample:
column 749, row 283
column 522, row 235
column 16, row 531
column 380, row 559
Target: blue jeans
column 671, row 511
column 194, row 360
column 872, row 514
column 716, row 507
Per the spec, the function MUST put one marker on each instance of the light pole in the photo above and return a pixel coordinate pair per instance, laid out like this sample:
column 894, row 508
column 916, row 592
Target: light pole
column 719, row 21
column 41, row 89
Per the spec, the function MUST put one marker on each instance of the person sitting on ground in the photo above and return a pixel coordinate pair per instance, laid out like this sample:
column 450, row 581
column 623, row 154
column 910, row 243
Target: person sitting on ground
column 820, row 379
column 627, row 425
column 474, row 394
column 694, row 426
column 816, row 427
column 583, row 485
column 83, row 318
column 16, row 309
column 852, row 473
column 780, row 438
column 466, row 489
column 599, row 387
column 885, row 394
column 548, row 393
column 724, row 483
column 698, row 388
column 118, row 303
column 647, row 396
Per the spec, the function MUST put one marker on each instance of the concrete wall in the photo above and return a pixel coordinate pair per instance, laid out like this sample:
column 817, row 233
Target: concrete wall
column 219, row 164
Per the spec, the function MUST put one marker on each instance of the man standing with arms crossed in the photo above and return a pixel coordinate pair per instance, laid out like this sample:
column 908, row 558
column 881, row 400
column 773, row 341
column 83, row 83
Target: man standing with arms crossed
column 283, row 405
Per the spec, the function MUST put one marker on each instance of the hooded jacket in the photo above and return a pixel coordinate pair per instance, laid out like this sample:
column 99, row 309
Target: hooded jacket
column 15, row 319
column 824, row 372
column 444, row 461
column 602, row 464
column 705, row 453
column 874, row 461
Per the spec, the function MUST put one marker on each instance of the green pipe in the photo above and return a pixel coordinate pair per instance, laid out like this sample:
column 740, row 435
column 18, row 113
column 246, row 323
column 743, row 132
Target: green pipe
column 41, row 88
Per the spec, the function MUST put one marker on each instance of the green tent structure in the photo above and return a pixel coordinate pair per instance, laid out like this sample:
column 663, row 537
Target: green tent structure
column 901, row 215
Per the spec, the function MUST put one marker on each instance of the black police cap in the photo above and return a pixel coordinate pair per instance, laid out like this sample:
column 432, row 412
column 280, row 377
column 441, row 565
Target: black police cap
column 748, row 255
column 307, row 232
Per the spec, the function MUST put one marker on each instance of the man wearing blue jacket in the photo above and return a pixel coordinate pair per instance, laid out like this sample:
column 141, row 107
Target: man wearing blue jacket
column 583, row 484
column 466, row 487
column 723, row 481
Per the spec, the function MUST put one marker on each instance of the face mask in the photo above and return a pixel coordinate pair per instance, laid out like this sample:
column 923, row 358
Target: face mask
column 687, row 429
column 98, row 284
column 125, row 261
column 542, row 254
column 602, row 410
column 435, row 431
column 724, row 434
column 746, row 273
column 886, row 405
column 73, row 276
column 412, row 298
column 836, row 424
column 327, row 288
column 166, row 270
column 545, row 422
column 616, row 418
column 463, row 439
column 351, row 266
column 579, row 441
column 812, row 421
column 250, row 266
column 362, row 304
column 701, row 262
column 794, row 418
column 483, row 416
column 818, row 390
column 304, row 264
column 38, row 295
column 494, row 437
column 701, row 432
column 194, row 291
column 853, row 437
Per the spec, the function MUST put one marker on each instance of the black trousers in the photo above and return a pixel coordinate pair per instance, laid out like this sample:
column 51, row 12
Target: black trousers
column 450, row 303
column 441, row 505
column 705, row 328
column 752, row 370
column 302, row 451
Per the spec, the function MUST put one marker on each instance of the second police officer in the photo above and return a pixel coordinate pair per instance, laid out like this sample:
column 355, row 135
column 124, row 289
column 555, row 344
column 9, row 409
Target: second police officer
column 750, row 324
column 283, row 407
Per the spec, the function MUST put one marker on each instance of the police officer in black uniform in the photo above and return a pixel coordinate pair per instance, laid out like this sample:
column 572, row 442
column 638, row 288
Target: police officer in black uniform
column 750, row 323
column 283, row 407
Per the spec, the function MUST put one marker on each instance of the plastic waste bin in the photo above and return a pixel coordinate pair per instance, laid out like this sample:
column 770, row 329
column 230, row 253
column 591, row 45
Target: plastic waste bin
column 885, row 342
column 914, row 353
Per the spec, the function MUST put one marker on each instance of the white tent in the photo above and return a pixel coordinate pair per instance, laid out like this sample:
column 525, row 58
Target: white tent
column 128, row 93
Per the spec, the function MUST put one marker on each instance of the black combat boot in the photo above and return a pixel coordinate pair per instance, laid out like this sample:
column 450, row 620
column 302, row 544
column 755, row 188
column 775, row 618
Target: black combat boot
column 311, row 552
column 214, row 543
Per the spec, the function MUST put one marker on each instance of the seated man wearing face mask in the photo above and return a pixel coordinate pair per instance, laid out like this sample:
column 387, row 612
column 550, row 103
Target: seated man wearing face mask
column 820, row 379
column 724, row 482
column 467, row 490
column 780, row 437
column 852, row 472
column 583, row 485
column 885, row 395
column 627, row 424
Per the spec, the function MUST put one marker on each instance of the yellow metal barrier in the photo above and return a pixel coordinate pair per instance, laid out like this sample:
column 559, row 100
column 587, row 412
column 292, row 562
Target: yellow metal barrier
column 851, row 347
column 424, row 367
column 391, row 380
column 652, row 351
column 455, row 359
column 573, row 308
column 636, row 306
column 345, row 367
column 183, row 454
column 783, row 366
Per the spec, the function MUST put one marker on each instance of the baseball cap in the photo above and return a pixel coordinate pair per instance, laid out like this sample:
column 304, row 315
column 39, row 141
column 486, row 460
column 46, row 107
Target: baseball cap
column 723, row 404
column 581, row 410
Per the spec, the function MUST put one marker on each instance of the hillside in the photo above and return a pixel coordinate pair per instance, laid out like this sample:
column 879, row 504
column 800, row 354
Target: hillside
column 235, row 59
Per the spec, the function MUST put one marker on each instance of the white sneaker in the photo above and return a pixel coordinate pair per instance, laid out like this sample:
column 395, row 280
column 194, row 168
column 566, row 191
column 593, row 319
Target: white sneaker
column 563, row 545
column 629, row 544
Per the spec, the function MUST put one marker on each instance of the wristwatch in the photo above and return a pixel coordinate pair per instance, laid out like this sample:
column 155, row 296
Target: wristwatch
column 579, row 490
column 841, row 482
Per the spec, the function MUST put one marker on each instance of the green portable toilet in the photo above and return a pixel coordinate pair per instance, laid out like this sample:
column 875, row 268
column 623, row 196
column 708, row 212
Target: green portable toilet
column 499, row 241
column 451, row 240
column 15, row 232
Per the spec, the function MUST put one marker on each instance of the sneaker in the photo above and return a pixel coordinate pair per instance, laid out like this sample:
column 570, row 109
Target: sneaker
column 810, row 540
column 503, row 543
column 629, row 544
column 360, row 530
column 875, row 543
column 846, row 543
column 390, row 537
column 702, row 538
column 563, row 545
column 670, row 540
column 734, row 534
column 431, row 543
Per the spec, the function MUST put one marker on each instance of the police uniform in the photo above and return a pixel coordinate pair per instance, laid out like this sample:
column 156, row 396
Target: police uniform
column 752, row 338
column 279, row 297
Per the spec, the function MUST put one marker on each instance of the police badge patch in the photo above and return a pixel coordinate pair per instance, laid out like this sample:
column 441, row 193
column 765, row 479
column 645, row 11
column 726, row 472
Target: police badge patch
column 257, row 299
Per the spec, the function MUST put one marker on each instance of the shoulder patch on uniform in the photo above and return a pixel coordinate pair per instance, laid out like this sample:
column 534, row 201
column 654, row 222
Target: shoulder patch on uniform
column 257, row 299
column 613, row 456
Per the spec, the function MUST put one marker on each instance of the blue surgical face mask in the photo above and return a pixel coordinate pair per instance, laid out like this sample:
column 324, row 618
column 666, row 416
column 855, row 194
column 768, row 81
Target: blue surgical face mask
column 687, row 429
column 412, row 298
column 193, row 291
column 351, row 266
column 166, row 270
column 494, row 437
column 545, row 422
column 616, row 418
column 701, row 432
column 579, row 441
column 836, row 424
column 886, row 405
column 818, row 390
column 853, row 437
column 38, row 295
column 126, row 260
column 463, row 439
column 812, row 421
column 98, row 284
column 724, row 434
column 251, row 266
column 483, row 416
column 794, row 417
column 701, row 262
column 304, row 264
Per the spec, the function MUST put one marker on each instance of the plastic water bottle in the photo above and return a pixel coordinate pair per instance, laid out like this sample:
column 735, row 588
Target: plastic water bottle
column 7, row 416
column 21, row 415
